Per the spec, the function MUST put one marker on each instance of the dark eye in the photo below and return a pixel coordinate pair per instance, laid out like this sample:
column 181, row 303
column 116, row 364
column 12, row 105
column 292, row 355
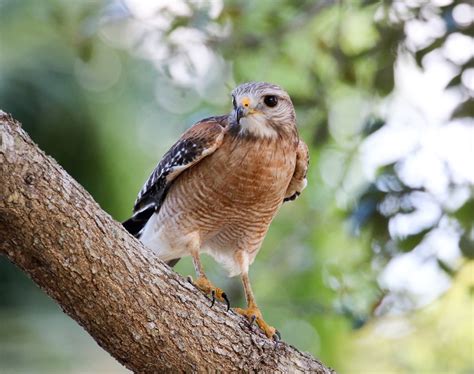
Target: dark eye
column 234, row 104
column 270, row 100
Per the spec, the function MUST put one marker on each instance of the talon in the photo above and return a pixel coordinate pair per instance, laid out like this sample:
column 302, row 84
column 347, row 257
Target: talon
column 277, row 336
column 224, row 296
column 209, row 289
column 254, row 315
column 213, row 295
column 190, row 279
column 253, row 318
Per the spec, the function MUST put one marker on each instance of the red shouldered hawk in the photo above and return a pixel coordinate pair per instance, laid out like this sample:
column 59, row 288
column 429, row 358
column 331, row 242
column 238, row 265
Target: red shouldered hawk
column 218, row 188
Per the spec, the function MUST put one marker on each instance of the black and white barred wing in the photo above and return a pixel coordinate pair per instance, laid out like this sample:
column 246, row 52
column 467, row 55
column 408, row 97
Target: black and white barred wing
column 201, row 140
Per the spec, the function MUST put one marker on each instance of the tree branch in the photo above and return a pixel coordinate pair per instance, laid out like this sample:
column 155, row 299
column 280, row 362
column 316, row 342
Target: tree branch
column 144, row 314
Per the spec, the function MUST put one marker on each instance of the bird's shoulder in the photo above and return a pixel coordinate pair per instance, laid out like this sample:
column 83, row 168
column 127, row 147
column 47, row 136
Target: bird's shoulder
column 199, row 141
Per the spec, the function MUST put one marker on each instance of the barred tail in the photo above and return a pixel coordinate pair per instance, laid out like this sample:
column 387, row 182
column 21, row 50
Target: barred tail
column 135, row 224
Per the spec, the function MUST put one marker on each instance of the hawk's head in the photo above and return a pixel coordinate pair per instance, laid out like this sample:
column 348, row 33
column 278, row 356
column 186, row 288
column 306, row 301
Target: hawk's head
column 262, row 110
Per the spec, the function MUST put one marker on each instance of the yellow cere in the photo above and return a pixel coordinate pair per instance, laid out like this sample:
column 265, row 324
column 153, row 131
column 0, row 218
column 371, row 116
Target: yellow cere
column 245, row 102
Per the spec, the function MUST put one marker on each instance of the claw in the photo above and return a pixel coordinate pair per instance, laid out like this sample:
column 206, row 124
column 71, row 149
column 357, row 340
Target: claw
column 213, row 295
column 254, row 315
column 253, row 318
column 224, row 296
column 209, row 289
column 277, row 336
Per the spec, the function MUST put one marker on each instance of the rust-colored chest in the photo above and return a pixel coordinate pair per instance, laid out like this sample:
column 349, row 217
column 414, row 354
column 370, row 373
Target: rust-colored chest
column 233, row 194
column 248, row 173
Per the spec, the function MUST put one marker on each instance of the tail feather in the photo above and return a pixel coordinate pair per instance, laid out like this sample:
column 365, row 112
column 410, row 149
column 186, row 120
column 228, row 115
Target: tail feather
column 172, row 263
column 136, row 223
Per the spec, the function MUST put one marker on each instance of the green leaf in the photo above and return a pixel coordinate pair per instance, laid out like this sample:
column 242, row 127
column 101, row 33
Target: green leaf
column 437, row 43
column 372, row 125
column 456, row 81
column 466, row 244
column 463, row 110
column 408, row 244
column 447, row 269
column 384, row 80
column 465, row 214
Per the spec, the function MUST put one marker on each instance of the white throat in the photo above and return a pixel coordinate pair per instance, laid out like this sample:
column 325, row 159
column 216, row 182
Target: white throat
column 256, row 124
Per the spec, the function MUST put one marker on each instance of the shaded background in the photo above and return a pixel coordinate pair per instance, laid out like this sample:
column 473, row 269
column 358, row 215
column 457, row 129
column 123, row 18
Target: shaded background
column 371, row 269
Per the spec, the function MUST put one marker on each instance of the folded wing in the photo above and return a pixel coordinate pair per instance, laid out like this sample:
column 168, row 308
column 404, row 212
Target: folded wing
column 298, row 182
column 201, row 140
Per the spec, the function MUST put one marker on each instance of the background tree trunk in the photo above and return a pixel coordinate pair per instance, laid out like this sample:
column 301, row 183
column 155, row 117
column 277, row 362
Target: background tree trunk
column 144, row 314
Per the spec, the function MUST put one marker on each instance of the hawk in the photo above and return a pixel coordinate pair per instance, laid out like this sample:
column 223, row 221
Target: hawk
column 218, row 188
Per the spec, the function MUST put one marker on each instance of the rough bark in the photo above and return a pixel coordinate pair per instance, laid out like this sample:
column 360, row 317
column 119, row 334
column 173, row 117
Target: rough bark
column 145, row 315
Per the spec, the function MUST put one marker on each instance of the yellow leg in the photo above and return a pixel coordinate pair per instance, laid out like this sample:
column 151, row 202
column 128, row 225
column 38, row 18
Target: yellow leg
column 253, row 312
column 205, row 285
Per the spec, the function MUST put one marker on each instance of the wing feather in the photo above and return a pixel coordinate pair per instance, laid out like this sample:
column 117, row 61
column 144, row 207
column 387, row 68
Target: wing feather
column 298, row 182
column 201, row 140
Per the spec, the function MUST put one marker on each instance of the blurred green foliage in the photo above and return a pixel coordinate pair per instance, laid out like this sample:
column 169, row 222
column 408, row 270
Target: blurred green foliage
column 106, row 88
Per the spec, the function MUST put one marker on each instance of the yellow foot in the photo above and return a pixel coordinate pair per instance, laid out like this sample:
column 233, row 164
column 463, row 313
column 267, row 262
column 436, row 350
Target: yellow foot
column 209, row 289
column 255, row 315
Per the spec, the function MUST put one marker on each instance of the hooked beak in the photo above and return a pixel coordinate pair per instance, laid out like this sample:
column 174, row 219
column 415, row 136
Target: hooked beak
column 244, row 108
column 240, row 112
